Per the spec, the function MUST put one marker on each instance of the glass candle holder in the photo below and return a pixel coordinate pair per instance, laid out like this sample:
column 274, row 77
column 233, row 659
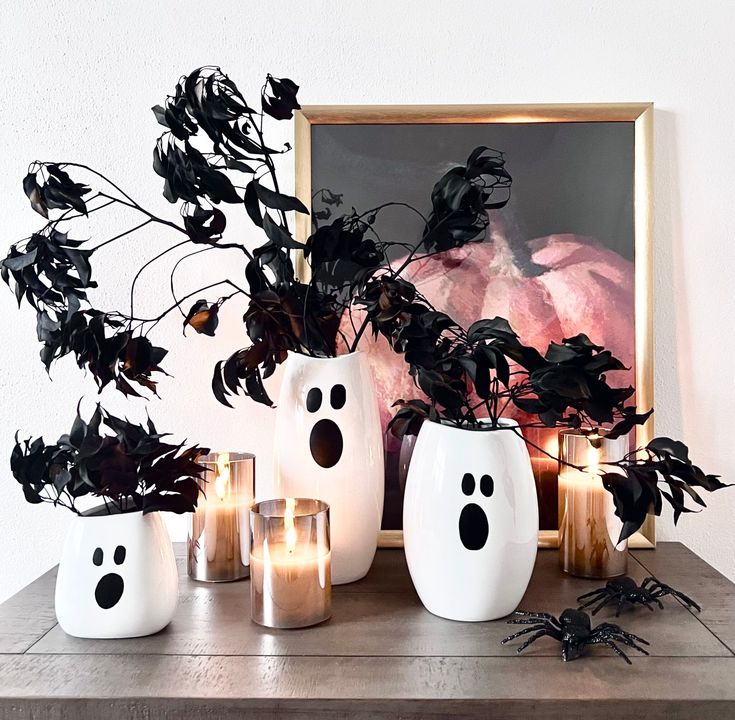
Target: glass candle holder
column 219, row 529
column 545, row 467
column 290, row 563
column 588, row 527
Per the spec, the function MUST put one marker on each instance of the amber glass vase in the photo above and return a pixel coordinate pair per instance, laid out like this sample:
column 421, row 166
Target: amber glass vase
column 588, row 526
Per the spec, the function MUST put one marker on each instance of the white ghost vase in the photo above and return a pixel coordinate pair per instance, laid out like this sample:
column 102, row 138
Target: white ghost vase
column 117, row 576
column 470, row 521
column 329, row 446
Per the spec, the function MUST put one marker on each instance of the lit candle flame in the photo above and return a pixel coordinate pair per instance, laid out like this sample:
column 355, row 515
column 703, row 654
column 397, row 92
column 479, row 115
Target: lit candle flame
column 288, row 522
column 551, row 446
column 222, row 476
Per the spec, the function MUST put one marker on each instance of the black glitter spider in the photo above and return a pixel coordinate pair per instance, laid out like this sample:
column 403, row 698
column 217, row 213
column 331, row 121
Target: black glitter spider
column 574, row 631
column 625, row 590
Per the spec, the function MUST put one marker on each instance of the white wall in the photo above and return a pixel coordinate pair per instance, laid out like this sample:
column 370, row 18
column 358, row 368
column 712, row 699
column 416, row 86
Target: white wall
column 78, row 81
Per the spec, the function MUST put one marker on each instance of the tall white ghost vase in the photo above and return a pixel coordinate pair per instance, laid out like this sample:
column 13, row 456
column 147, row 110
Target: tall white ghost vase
column 329, row 446
column 470, row 521
column 117, row 576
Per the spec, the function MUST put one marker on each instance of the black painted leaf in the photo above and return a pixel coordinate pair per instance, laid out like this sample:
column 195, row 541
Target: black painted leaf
column 252, row 205
column 667, row 446
column 279, row 98
column 33, row 193
column 279, row 236
column 19, row 261
column 234, row 164
column 203, row 317
column 204, row 225
column 629, row 421
column 218, row 387
column 277, row 200
column 581, row 342
column 409, row 417
column 130, row 468
column 631, row 502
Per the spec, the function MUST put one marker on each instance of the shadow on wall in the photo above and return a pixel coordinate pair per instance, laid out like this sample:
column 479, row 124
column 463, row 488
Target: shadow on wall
column 671, row 347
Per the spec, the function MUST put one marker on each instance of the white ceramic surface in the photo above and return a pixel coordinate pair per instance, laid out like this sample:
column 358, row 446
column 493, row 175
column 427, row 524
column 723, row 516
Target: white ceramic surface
column 470, row 541
column 329, row 446
column 117, row 577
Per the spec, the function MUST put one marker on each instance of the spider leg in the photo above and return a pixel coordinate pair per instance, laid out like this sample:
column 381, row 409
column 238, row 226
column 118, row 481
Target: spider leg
column 632, row 644
column 686, row 600
column 606, row 601
column 680, row 596
column 621, row 637
column 544, row 615
column 647, row 601
column 539, row 617
column 540, row 633
column 648, row 581
column 615, row 649
column 528, row 621
column 534, row 628
column 602, row 590
column 611, row 629
column 621, row 603
column 599, row 595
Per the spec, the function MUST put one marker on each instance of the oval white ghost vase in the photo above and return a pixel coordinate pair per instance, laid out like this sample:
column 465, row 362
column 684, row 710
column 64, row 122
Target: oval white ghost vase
column 470, row 521
column 329, row 446
column 117, row 576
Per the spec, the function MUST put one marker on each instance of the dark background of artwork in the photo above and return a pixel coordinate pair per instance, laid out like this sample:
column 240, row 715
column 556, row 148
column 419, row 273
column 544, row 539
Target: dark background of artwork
column 567, row 178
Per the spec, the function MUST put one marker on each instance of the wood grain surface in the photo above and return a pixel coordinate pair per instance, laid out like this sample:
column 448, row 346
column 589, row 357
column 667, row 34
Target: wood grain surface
column 380, row 656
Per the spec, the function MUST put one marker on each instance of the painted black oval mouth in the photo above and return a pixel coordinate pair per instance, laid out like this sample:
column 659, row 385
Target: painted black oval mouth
column 473, row 527
column 109, row 590
column 325, row 443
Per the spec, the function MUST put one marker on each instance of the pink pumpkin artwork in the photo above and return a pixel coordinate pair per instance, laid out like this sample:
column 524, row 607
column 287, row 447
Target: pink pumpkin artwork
column 563, row 284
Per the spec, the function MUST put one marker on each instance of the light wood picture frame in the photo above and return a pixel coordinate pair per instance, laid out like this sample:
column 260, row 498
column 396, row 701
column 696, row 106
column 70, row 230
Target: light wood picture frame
column 639, row 116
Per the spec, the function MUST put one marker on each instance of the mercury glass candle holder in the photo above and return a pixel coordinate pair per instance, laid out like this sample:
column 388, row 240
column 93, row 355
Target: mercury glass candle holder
column 545, row 467
column 219, row 529
column 588, row 527
column 290, row 563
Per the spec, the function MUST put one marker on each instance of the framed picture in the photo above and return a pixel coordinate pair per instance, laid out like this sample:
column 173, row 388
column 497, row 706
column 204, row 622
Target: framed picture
column 570, row 252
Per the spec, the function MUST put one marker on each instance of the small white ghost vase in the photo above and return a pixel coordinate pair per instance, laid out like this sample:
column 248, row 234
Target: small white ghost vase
column 470, row 521
column 117, row 576
column 329, row 446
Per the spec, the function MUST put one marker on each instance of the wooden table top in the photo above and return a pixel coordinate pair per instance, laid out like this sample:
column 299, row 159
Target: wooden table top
column 381, row 655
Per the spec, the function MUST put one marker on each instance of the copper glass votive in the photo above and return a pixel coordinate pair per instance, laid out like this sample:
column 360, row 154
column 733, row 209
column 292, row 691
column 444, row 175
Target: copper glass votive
column 290, row 563
column 219, row 529
column 588, row 526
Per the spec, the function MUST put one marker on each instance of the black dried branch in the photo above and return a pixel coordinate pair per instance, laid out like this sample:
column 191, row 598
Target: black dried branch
column 101, row 346
column 461, row 198
column 343, row 258
column 292, row 318
column 279, row 98
column 638, row 481
column 189, row 176
column 487, row 366
column 51, row 271
column 130, row 467
column 49, row 187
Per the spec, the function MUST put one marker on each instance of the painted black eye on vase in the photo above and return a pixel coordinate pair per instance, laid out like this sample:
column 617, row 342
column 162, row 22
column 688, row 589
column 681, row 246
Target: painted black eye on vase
column 119, row 555
column 313, row 400
column 487, row 486
column 97, row 557
column 338, row 396
column 468, row 484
